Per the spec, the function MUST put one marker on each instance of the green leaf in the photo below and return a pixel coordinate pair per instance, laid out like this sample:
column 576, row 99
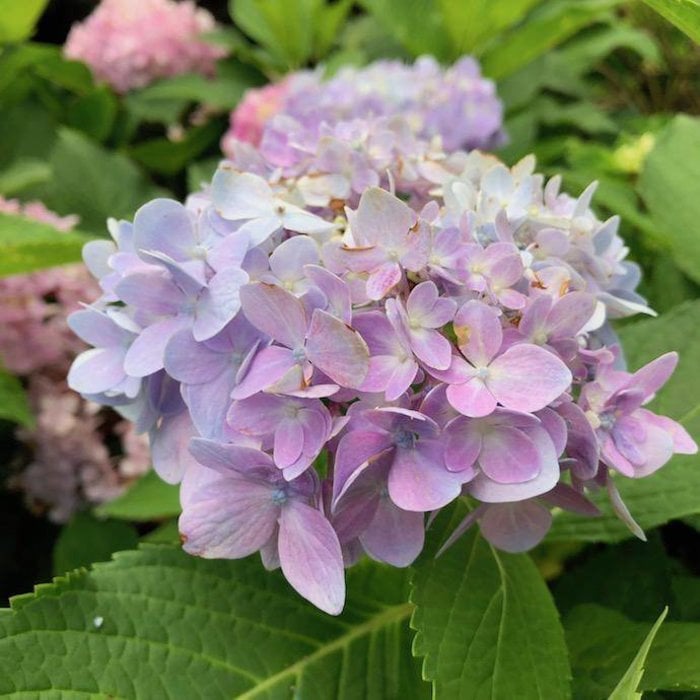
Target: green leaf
column 417, row 25
column 606, row 572
column 13, row 401
column 685, row 14
column 170, row 157
column 23, row 173
column 201, row 173
column 17, row 19
column 667, row 186
column 471, row 25
column 95, row 183
column 93, row 114
column 156, row 623
column 550, row 26
column 149, row 498
column 673, row 491
column 486, row 624
column 626, row 689
column 86, row 540
column 27, row 245
column 603, row 644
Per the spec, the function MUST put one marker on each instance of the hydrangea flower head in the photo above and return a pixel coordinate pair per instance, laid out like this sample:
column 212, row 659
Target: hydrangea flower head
column 130, row 43
column 380, row 345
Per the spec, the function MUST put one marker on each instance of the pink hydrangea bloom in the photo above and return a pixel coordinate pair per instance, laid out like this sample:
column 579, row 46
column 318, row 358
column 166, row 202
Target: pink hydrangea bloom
column 131, row 43
column 69, row 464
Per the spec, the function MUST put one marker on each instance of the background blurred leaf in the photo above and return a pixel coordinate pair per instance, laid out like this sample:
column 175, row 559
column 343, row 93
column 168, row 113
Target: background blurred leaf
column 149, row 498
column 13, row 401
column 471, row 25
column 95, row 183
column 23, row 173
column 544, row 29
column 674, row 491
column 416, row 24
column 669, row 187
column 17, row 19
column 93, row 114
column 603, row 644
column 486, row 623
column 208, row 629
column 685, row 14
column 27, row 245
column 85, row 540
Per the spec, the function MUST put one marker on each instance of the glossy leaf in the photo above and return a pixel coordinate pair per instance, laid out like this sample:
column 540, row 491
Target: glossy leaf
column 159, row 623
column 685, row 14
column 486, row 624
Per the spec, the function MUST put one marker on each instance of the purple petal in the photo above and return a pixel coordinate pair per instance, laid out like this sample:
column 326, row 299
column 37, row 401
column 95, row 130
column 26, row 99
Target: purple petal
column 229, row 518
column 268, row 366
column 150, row 292
column 218, row 303
column 527, row 378
column 489, row 491
column 164, row 225
column 509, row 456
column 431, row 347
column 570, row 314
column 393, row 535
column 478, row 331
column 275, row 312
column 650, row 378
column 337, row 350
column 191, row 362
column 382, row 219
column 227, row 458
column 169, row 444
column 209, row 404
column 97, row 370
column 98, row 329
column 147, row 353
column 311, row 558
column 515, row 527
column 289, row 441
column 463, row 441
column 472, row 398
column 241, row 195
column 418, row 479
column 382, row 280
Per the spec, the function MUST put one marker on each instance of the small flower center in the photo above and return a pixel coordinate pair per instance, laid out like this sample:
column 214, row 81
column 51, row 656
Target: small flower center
column 299, row 354
column 279, row 496
column 606, row 420
column 482, row 372
column 405, row 439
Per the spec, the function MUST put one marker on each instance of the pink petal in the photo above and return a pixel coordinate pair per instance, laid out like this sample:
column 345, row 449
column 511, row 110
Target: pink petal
column 419, row 481
column 337, row 350
column 382, row 219
column 479, row 333
column 463, row 442
column 515, row 527
column 289, row 440
column 509, row 456
column 382, row 280
column 393, row 535
column 472, row 398
column 275, row 312
column 527, row 378
column 431, row 347
column 311, row 558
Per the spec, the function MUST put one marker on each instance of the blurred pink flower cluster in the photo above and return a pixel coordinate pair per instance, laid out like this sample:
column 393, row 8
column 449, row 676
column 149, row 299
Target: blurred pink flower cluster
column 131, row 43
column 70, row 464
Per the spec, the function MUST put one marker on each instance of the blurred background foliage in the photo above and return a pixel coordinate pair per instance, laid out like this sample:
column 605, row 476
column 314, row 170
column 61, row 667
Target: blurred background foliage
column 605, row 90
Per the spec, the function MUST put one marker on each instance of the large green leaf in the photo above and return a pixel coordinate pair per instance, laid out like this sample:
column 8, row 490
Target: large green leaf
column 626, row 689
column 95, row 183
column 156, row 623
column 550, row 26
column 23, row 173
column 17, row 18
column 417, row 25
column 149, row 498
column 27, row 245
column 668, row 187
column 603, row 643
column 13, row 400
column 486, row 624
column 674, row 491
column 471, row 25
column 685, row 14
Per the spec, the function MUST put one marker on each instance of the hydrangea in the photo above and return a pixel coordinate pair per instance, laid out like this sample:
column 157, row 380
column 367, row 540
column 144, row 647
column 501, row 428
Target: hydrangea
column 325, row 348
column 68, row 464
column 130, row 43
column 346, row 133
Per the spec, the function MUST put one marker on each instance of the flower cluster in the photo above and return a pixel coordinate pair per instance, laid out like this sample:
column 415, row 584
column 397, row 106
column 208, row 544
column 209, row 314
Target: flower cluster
column 320, row 375
column 130, row 43
column 365, row 126
column 69, row 463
